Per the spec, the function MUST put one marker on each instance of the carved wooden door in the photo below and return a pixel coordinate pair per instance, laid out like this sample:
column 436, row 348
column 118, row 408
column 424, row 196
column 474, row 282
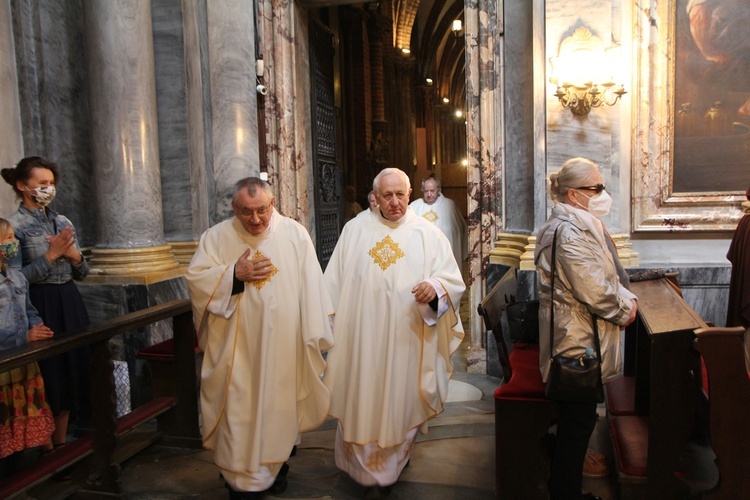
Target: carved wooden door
column 328, row 206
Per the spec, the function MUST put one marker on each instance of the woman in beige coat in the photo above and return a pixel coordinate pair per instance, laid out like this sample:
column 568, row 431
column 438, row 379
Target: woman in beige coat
column 586, row 284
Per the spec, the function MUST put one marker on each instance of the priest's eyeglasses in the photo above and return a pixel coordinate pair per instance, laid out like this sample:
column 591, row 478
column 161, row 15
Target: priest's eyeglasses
column 598, row 188
column 260, row 212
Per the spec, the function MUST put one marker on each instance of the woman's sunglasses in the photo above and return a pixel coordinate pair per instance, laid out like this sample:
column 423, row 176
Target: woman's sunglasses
column 598, row 188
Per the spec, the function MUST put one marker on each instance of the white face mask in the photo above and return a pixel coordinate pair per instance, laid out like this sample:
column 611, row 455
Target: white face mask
column 599, row 204
column 43, row 195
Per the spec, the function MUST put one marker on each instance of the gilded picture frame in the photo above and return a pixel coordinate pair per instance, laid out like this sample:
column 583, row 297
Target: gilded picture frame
column 672, row 162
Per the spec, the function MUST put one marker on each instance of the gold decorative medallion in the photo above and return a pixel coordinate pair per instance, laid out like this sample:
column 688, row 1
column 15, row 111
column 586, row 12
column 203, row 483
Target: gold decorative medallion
column 431, row 216
column 261, row 283
column 385, row 253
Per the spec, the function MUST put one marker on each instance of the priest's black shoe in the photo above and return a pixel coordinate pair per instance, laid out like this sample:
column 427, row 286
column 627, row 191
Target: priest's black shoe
column 372, row 492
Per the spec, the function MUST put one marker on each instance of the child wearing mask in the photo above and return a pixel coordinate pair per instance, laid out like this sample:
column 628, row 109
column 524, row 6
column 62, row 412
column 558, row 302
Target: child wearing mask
column 25, row 417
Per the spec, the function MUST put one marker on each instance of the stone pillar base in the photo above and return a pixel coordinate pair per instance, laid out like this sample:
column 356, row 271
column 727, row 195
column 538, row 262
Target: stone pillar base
column 183, row 251
column 508, row 249
column 628, row 257
column 527, row 259
column 132, row 265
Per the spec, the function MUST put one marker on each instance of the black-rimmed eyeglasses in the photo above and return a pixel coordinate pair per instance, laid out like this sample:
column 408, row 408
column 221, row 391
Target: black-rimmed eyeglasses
column 598, row 188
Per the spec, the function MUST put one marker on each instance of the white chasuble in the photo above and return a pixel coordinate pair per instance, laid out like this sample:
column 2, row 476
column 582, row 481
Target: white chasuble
column 389, row 371
column 444, row 213
column 260, row 379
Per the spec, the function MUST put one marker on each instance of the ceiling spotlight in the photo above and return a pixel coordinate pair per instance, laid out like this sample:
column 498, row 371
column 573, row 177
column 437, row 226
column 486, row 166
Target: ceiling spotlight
column 406, row 50
column 428, row 81
column 459, row 113
column 446, row 100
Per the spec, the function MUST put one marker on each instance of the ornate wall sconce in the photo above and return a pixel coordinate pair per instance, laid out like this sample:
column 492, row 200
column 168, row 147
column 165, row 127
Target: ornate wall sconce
column 583, row 74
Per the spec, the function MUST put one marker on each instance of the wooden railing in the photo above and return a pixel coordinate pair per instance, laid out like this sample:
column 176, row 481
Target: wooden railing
column 183, row 427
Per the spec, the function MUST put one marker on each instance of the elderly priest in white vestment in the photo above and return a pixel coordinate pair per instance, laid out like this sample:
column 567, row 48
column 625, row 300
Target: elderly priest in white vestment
column 444, row 213
column 396, row 288
column 263, row 317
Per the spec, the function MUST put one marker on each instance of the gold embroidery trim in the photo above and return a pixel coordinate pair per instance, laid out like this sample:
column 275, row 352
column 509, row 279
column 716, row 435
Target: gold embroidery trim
column 385, row 253
column 261, row 283
column 431, row 216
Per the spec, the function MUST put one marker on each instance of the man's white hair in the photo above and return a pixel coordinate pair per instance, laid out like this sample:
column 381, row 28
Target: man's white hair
column 389, row 171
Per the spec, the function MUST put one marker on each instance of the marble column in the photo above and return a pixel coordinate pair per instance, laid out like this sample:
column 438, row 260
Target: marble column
column 10, row 114
column 120, row 69
column 53, row 101
column 284, row 42
column 198, row 104
column 484, row 31
column 519, row 116
column 231, row 55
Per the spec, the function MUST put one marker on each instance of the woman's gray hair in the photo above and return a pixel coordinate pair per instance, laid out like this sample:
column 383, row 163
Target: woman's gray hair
column 574, row 173
column 252, row 184
column 389, row 171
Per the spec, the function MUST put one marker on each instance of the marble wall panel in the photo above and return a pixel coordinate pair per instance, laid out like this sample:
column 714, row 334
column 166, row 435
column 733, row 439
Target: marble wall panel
column 484, row 40
column 10, row 114
column 284, row 32
column 231, row 46
column 171, row 106
column 597, row 135
column 198, row 102
column 53, row 102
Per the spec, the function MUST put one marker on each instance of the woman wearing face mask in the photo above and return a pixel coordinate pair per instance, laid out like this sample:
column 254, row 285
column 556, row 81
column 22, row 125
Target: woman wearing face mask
column 50, row 259
column 589, row 282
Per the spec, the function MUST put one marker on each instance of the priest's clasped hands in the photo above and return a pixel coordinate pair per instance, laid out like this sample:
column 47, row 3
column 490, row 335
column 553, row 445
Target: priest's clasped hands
column 248, row 270
column 423, row 292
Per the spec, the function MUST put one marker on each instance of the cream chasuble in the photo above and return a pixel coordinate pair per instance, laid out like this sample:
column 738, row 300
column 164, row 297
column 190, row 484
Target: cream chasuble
column 447, row 217
column 260, row 379
column 389, row 371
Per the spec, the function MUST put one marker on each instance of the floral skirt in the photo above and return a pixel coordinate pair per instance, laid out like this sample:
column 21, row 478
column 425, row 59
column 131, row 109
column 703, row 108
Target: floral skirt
column 25, row 417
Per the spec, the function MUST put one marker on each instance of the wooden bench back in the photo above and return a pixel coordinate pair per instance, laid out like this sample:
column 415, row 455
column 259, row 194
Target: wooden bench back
column 491, row 309
column 723, row 351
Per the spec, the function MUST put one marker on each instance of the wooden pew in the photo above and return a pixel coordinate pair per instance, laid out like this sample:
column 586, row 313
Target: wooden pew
column 102, row 475
column 723, row 350
column 648, row 444
column 523, row 415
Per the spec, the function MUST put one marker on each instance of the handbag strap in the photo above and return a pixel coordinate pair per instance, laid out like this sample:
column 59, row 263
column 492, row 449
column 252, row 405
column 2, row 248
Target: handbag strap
column 552, row 306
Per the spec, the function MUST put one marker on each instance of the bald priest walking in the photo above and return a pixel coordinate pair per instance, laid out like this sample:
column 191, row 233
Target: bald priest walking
column 444, row 213
column 396, row 287
column 263, row 317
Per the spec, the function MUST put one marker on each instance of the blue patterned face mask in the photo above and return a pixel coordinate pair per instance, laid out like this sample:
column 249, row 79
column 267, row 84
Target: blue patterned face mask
column 9, row 249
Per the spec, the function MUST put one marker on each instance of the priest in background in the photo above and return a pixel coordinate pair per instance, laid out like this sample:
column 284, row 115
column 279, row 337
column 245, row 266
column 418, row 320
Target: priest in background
column 263, row 317
column 395, row 286
column 444, row 213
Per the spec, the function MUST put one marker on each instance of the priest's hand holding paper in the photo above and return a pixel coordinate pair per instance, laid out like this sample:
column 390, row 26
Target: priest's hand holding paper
column 248, row 269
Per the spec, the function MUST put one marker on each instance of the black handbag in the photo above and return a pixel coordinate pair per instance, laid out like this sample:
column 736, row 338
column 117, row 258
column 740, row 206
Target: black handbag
column 523, row 321
column 572, row 379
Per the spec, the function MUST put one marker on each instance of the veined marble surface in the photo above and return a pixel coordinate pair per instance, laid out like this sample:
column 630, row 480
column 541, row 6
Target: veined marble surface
column 109, row 301
column 120, row 71
column 231, row 56
column 171, row 104
column 484, row 27
column 53, row 103
column 10, row 117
